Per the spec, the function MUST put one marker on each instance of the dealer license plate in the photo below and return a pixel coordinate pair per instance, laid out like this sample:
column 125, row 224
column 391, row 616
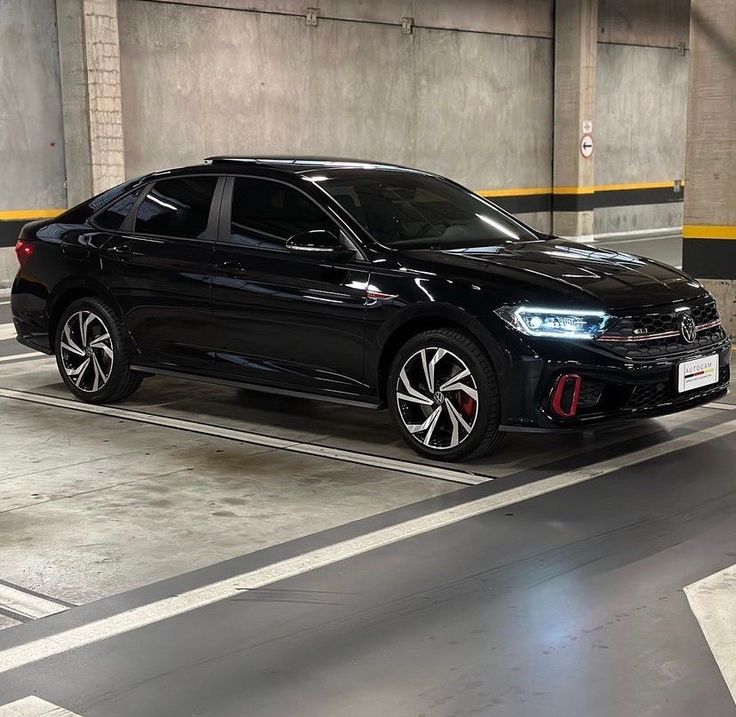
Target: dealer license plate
column 697, row 373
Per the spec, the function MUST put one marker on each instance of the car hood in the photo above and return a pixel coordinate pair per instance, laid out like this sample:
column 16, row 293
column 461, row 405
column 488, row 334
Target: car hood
column 570, row 271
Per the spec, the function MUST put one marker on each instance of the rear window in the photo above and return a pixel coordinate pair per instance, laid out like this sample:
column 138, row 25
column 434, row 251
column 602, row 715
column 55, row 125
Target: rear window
column 82, row 212
column 177, row 207
column 114, row 216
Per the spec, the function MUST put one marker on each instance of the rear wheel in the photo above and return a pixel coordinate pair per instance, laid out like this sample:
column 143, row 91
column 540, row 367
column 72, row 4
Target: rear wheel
column 93, row 353
column 443, row 396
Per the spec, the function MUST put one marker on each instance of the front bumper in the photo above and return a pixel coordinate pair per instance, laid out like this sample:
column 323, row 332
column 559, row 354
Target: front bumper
column 611, row 388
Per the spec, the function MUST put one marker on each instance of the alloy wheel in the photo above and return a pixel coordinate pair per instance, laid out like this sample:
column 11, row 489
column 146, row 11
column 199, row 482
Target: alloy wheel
column 437, row 397
column 86, row 349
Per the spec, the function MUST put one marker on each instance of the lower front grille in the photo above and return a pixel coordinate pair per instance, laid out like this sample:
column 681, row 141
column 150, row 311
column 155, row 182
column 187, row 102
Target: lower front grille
column 648, row 395
column 590, row 394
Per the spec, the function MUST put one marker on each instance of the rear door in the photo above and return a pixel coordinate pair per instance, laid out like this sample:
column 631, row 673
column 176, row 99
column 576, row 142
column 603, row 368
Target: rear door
column 158, row 266
column 283, row 318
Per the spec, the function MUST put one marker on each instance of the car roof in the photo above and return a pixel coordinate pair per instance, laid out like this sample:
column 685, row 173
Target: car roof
column 303, row 164
column 278, row 165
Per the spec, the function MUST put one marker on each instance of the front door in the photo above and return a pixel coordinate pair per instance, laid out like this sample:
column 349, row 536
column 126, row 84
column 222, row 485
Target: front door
column 282, row 318
column 159, row 270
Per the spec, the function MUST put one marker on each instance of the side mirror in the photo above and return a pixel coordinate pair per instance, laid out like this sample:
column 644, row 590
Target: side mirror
column 320, row 244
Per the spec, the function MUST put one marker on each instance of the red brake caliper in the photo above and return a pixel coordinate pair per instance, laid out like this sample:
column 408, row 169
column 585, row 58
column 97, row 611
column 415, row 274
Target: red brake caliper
column 467, row 404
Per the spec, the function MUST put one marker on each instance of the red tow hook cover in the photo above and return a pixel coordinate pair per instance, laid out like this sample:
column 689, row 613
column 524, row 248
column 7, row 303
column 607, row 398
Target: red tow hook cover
column 566, row 394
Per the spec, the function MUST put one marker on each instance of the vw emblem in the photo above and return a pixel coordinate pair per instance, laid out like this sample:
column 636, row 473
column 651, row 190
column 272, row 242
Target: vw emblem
column 687, row 328
column 439, row 397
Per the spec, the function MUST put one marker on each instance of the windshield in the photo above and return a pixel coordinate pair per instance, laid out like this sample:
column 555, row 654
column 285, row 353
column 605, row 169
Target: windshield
column 415, row 211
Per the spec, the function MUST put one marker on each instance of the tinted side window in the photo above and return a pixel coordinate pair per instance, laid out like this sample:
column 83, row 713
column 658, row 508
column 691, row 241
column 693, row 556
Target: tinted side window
column 114, row 215
column 177, row 207
column 265, row 214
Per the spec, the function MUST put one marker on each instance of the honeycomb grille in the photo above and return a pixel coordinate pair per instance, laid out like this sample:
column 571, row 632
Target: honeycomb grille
column 649, row 395
column 643, row 324
column 665, row 347
column 629, row 335
column 590, row 394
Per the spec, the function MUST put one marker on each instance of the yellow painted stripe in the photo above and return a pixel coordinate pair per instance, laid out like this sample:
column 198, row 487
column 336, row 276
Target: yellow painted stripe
column 635, row 185
column 517, row 192
column 705, row 231
column 29, row 214
column 573, row 190
column 531, row 191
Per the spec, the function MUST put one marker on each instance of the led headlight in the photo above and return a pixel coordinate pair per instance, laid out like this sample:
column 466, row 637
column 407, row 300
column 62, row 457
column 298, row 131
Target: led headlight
column 559, row 323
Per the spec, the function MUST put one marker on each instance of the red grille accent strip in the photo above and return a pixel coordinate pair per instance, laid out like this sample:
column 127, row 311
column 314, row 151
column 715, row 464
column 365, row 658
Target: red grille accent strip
column 653, row 337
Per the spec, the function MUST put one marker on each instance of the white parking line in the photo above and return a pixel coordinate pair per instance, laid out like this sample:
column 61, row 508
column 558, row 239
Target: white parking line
column 713, row 601
column 7, row 331
column 722, row 406
column 27, row 355
column 34, row 707
column 170, row 607
column 27, row 604
column 258, row 439
column 645, row 233
column 615, row 242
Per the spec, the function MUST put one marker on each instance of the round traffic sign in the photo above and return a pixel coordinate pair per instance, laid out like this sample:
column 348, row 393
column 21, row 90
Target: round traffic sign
column 586, row 145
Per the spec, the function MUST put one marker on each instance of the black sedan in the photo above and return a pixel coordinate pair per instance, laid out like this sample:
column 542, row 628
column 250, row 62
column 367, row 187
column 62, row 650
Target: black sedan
column 364, row 283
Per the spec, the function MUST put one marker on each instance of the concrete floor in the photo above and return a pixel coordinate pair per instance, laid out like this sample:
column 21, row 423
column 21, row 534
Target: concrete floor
column 666, row 248
column 546, row 580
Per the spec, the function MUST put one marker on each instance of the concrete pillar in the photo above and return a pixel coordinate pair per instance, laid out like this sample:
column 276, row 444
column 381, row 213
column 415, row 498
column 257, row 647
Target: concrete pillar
column 709, row 247
column 89, row 54
column 576, row 38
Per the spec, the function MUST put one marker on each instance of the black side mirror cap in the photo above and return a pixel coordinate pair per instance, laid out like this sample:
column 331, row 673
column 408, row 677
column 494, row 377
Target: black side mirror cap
column 320, row 244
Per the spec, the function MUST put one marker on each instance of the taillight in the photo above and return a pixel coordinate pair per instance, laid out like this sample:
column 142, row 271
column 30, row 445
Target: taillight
column 566, row 394
column 23, row 250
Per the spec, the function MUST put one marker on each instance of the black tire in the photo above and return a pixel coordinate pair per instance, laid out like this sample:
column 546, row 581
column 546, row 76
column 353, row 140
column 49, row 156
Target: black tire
column 461, row 352
column 107, row 358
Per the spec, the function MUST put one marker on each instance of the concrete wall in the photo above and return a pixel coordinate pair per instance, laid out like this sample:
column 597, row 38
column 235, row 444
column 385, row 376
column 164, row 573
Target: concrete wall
column 641, row 104
column 472, row 105
column 640, row 129
column 653, row 23
column 31, row 134
column 515, row 17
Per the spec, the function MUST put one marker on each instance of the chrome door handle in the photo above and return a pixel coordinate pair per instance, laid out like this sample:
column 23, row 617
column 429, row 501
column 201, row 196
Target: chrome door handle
column 120, row 249
column 231, row 267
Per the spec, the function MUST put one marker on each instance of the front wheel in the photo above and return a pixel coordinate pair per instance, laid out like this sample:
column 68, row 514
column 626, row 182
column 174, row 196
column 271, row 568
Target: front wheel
column 93, row 352
column 443, row 395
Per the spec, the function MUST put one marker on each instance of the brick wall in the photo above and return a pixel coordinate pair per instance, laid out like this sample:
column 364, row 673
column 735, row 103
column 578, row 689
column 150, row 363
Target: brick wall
column 105, row 100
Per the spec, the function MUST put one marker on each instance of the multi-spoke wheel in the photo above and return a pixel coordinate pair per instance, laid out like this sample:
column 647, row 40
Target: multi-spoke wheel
column 92, row 352
column 437, row 397
column 87, row 355
column 443, row 395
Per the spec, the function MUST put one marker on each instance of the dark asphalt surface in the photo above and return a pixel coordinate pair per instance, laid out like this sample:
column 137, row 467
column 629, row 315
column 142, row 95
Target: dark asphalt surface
column 566, row 604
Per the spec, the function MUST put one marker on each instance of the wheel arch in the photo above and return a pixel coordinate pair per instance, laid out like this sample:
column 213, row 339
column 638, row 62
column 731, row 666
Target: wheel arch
column 64, row 295
column 415, row 320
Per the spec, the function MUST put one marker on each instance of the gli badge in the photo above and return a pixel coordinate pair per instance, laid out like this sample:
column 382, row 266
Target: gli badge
column 687, row 328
